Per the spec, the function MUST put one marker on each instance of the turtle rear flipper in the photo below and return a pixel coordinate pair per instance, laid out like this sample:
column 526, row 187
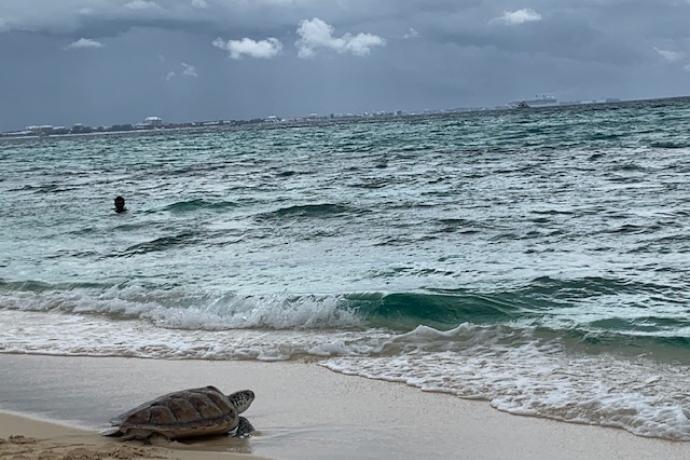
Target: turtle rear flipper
column 244, row 428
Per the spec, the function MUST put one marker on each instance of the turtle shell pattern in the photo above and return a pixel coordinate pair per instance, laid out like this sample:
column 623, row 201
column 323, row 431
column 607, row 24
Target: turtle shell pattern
column 194, row 412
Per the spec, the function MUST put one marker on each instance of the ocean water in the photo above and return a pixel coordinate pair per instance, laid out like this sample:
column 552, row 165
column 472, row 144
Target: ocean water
column 537, row 259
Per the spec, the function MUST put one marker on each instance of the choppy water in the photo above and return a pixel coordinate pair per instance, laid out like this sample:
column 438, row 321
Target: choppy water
column 537, row 259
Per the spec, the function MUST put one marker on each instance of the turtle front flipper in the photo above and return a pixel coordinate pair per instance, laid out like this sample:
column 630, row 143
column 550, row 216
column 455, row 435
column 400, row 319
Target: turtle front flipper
column 244, row 428
column 136, row 434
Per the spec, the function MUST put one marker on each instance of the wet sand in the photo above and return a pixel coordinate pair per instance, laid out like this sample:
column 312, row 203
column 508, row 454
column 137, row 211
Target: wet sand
column 302, row 411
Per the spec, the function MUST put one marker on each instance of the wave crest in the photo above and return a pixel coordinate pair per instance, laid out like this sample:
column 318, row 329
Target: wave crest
column 194, row 205
column 556, row 304
column 177, row 308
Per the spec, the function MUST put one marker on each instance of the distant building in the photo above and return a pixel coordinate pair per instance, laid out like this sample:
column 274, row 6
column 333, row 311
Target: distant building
column 60, row 130
column 78, row 128
column 40, row 130
column 153, row 122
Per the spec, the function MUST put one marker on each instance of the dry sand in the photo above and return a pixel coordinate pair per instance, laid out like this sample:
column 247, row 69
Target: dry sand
column 302, row 411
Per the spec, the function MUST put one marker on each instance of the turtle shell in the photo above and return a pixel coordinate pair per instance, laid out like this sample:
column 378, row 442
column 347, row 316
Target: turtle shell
column 182, row 414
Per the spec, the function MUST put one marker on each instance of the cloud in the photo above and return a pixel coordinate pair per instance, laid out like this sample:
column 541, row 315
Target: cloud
column 141, row 5
column 85, row 43
column 261, row 49
column 411, row 33
column 201, row 4
column 518, row 17
column 668, row 55
column 687, row 67
column 315, row 33
column 189, row 70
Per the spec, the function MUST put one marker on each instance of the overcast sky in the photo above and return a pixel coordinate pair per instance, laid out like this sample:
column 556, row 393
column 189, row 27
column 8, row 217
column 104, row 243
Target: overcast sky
column 111, row 61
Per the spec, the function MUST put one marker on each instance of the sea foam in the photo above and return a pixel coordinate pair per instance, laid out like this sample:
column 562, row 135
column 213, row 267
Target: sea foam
column 521, row 373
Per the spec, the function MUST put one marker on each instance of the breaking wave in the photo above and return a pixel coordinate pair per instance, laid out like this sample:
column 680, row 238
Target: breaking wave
column 548, row 302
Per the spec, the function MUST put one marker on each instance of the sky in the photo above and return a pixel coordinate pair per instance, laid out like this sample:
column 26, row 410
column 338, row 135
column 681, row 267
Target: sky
column 101, row 62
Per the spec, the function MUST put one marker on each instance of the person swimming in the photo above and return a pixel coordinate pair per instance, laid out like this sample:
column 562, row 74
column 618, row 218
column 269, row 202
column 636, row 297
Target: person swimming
column 120, row 205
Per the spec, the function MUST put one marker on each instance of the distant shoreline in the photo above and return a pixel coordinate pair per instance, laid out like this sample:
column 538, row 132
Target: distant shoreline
column 233, row 125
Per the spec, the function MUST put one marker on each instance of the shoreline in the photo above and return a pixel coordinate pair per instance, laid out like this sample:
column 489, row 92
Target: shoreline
column 302, row 411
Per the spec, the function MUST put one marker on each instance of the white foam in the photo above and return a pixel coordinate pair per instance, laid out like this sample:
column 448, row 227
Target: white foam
column 521, row 374
column 61, row 334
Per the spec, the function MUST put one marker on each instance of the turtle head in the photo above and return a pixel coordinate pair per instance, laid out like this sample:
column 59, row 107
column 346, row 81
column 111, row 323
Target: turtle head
column 241, row 400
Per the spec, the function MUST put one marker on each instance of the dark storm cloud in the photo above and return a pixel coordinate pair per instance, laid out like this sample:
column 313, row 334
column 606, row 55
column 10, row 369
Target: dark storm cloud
column 104, row 61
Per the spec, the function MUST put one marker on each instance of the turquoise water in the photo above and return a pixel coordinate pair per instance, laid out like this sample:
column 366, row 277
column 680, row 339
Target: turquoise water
column 537, row 259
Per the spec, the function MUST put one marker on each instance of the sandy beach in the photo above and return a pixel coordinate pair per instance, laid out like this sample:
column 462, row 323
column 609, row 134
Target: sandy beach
column 302, row 411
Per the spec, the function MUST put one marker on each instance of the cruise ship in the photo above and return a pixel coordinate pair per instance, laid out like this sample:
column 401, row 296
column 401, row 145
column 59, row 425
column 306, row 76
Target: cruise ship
column 539, row 101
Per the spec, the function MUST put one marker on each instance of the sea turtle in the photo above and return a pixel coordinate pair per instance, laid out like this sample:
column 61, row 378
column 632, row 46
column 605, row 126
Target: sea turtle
column 185, row 414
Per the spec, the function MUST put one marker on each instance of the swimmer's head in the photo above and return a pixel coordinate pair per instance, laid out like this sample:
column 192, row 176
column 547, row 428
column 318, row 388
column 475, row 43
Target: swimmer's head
column 119, row 204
